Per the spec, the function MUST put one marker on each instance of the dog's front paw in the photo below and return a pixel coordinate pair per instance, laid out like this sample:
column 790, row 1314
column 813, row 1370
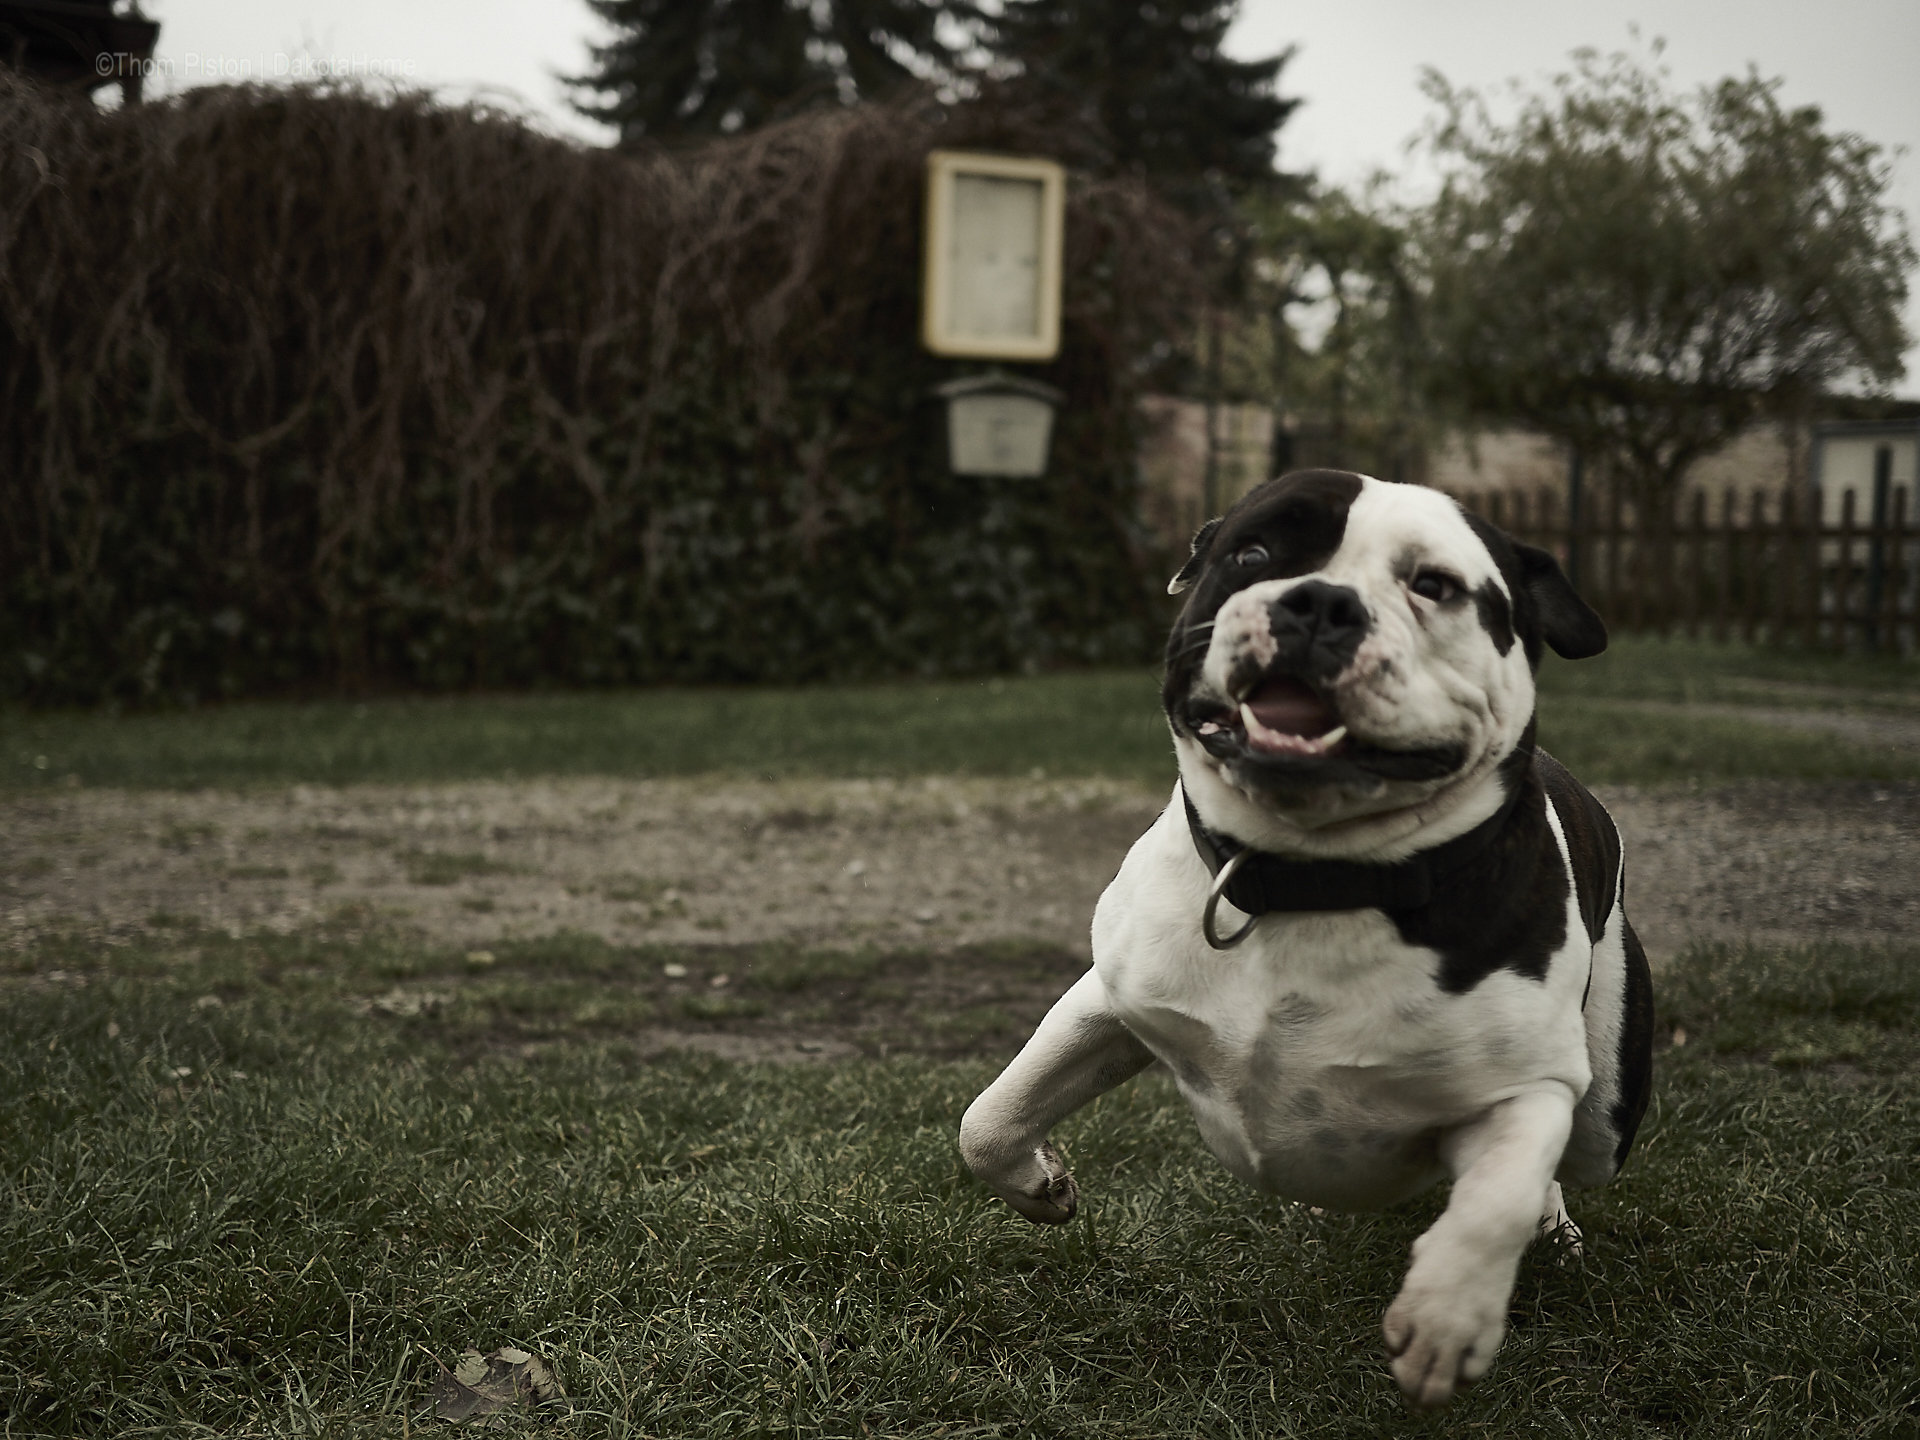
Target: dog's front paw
column 1558, row 1230
column 1048, row 1196
column 1022, row 1169
column 1442, row 1338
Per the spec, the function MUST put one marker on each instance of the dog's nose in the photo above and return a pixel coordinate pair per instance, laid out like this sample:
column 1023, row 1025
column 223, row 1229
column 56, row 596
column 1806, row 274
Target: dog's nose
column 1327, row 610
column 1325, row 624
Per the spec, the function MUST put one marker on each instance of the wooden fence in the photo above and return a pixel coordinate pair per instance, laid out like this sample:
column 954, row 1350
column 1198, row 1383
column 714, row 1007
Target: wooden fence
column 1768, row 566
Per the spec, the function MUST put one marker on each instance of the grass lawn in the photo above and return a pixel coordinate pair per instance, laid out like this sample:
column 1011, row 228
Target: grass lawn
column 1098, row 723
column 241, row 1197
column 266, row 1184
column 1637, row 667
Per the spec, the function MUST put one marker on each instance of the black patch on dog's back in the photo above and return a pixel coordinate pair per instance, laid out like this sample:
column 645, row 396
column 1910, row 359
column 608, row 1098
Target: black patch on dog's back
column 1507, row 908
column 1636, row 1046
column 1592, row 842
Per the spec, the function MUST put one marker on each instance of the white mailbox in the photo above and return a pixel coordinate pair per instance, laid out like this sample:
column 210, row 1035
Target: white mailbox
column 999, row 425
column 991, row 283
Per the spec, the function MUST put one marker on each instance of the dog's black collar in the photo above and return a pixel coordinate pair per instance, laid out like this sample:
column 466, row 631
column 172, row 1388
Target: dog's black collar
column 1266, row 883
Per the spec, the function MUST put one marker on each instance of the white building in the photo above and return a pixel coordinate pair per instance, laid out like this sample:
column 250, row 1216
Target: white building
column 1872, row 458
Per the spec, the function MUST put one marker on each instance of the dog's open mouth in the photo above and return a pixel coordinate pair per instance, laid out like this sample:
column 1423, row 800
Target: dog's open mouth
column 1281, row 716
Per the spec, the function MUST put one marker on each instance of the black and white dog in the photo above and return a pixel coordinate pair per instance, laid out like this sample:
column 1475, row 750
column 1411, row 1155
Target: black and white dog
column 1377, row 936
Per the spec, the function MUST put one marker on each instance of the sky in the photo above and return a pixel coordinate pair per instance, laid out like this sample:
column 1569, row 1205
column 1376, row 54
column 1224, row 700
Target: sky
column 1356, row 63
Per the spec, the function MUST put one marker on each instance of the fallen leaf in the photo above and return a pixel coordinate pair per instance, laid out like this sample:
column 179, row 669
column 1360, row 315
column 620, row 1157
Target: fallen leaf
column 480, row 1385
column 411, row 1004
column 835, row 1344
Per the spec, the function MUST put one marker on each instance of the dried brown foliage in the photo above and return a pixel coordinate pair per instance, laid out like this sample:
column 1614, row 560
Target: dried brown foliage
column 308, row 386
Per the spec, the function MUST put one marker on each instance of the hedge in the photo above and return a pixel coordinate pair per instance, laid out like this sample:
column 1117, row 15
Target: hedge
column 314, row 389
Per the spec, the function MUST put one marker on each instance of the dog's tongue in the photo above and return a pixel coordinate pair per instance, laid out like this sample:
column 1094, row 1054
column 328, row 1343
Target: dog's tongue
column 1289, row 708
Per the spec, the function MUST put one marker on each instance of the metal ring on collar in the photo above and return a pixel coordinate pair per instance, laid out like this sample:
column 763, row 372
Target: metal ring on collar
column 1220, row 883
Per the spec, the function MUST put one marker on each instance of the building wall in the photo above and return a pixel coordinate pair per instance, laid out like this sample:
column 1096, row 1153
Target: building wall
column 1766, row 457
column 1847, row 463
column 1173, row 461
column 1472, row 462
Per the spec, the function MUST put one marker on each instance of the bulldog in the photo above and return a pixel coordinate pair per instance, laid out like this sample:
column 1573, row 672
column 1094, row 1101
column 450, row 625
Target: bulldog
column 1378, row 936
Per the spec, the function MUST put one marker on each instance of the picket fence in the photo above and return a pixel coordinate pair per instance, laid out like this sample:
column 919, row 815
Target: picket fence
column 1776, row 567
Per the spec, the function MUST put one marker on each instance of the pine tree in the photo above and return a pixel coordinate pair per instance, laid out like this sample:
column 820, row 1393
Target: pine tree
column 686, row 68
column 1150, row 72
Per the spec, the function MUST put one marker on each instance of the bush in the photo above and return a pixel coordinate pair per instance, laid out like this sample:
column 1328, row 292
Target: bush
column 306, row 388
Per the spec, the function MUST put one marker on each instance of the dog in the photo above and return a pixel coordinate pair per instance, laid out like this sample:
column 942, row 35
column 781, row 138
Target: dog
column 1378, row 937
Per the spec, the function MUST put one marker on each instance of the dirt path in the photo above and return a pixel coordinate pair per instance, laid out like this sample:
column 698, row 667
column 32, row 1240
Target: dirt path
column 933, row 862
column 930, row 864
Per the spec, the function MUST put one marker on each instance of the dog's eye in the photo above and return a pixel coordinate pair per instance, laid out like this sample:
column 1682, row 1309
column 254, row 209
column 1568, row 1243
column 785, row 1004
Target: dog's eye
column 1251, row 555
column 1435, row 586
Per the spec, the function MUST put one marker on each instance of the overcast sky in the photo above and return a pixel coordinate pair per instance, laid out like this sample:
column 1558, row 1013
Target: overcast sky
column 1357, row 63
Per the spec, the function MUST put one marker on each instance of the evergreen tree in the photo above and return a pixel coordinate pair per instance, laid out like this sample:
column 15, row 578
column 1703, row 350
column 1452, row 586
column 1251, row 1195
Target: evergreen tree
column 1150, row 72
column 688, row 68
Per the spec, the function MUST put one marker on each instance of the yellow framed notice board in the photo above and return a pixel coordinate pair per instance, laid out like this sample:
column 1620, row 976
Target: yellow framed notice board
column 991, row 286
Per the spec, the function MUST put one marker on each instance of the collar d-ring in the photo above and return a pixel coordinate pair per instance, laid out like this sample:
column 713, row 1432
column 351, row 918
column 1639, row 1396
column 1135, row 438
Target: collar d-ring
column 1219, row 888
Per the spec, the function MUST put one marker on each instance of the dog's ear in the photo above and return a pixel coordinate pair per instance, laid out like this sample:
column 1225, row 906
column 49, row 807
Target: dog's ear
column 1567, row 622
column 1194, row 559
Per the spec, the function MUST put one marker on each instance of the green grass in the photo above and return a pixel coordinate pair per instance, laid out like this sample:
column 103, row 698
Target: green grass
column 1638, row 667
column 270, row 1214
column 1105, row 723
column 1590, row 718
column 1607, row 743
column 355, row 967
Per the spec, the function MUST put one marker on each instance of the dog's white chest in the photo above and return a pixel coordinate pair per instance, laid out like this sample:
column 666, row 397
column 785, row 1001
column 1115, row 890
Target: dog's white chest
column 1320, row 1059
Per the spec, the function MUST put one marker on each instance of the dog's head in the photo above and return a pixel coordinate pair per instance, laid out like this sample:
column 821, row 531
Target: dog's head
column 1355, row 648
